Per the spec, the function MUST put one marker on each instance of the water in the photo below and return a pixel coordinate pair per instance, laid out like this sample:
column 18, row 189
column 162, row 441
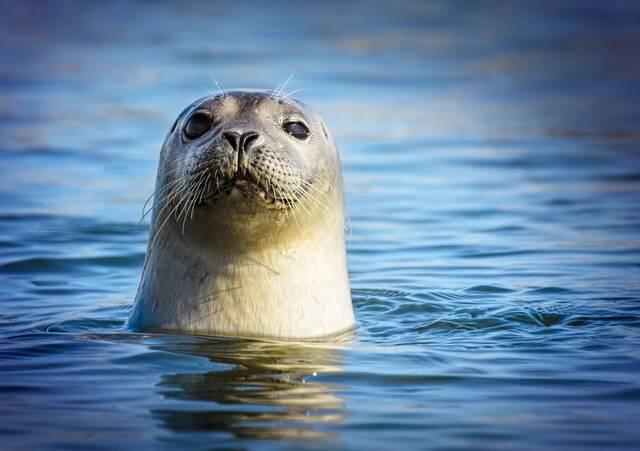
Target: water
column 492, row 169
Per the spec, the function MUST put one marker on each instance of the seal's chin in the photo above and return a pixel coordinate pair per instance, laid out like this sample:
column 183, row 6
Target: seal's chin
column 251, row 191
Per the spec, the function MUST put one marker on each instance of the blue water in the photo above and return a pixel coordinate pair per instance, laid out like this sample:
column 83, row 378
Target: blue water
column 491, row 158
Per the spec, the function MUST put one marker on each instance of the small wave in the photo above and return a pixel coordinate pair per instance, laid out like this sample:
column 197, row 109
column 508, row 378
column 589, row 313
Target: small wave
column 491, row 289
column 38, row 265
column 84, row 325
column 551, row 290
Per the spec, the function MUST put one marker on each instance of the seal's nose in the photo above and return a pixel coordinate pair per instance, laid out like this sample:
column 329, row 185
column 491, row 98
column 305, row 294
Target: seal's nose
column 240, row 141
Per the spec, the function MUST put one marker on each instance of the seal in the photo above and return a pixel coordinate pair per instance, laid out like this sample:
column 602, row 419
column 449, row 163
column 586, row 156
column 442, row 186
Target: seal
column 247, row 225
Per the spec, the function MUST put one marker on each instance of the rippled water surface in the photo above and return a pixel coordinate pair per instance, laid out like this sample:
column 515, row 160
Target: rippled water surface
column 492, row 165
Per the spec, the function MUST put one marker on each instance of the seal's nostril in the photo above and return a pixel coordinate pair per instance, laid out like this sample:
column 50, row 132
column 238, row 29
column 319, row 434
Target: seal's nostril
column 233, row 138
column 240, row 141
column 248, row 138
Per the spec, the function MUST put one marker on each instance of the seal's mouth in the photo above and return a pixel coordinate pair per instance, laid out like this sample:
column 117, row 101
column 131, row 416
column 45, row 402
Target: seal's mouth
column 249, row 189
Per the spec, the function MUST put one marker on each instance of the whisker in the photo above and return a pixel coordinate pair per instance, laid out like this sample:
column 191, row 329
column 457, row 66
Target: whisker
column 167, row 173
column 221, row 89
column 176, row 192
column 192, row 197
column 185, row 208
column 169, row 215
column 276, row 93
column 293, row 92
column 207, row 90
column 205, row 187
column 298, row 193
column 158, row 191
column 197, row 194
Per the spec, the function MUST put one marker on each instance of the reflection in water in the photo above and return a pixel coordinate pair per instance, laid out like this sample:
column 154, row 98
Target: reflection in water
column 270, row 390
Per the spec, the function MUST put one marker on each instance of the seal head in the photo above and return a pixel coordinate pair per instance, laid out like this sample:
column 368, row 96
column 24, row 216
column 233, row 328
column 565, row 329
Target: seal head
column 247, row 230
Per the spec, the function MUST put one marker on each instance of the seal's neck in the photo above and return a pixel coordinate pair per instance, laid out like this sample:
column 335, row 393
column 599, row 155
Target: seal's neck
column 291, row 288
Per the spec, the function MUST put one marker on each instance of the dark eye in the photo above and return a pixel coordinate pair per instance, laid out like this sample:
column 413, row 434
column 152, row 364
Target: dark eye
column 296, row 129
column 197, row 125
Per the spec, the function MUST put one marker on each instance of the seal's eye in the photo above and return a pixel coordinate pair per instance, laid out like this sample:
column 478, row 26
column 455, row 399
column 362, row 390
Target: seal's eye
column 296, row 129
column 197, row 125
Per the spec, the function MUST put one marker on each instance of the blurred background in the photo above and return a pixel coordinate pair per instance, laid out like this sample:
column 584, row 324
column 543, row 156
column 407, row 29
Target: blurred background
column 492, row 166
